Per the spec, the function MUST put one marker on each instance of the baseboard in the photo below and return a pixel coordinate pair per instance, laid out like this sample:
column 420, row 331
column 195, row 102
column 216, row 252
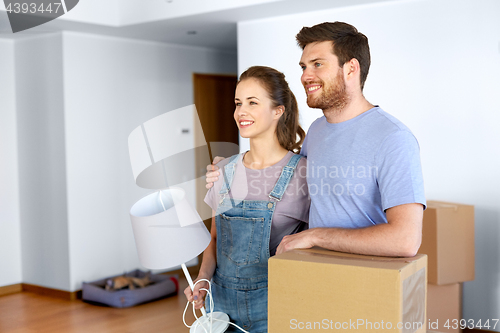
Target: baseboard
column 57, row 293
column 74, row 295
column 12, row 289
column 70, row 295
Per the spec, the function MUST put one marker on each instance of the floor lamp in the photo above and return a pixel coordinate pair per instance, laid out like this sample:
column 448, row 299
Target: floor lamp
column 168, row 231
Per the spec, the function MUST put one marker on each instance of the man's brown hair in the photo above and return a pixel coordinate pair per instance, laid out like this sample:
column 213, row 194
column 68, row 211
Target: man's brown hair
column 347, row 43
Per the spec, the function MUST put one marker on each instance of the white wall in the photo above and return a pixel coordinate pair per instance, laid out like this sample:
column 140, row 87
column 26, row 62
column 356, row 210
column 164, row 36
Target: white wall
column 10, row 233
column 69, row 102
column 111, row 87
column 435, row 66
column 42, row 167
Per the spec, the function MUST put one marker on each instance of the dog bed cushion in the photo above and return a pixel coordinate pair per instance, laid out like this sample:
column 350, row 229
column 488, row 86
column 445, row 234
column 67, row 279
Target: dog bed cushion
column 162, row 286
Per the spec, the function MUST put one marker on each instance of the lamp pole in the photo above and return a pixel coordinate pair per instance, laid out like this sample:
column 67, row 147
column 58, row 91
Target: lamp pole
column 190, row 281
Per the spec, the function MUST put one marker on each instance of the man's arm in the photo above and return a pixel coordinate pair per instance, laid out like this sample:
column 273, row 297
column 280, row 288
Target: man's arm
column 399, row 237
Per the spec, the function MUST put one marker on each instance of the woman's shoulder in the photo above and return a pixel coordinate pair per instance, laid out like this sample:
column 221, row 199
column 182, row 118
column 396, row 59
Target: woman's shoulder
column 225, row 161
column 218, row 183
column 235, row 158
column 301, row 168
column 302, row 162
column 297, row 193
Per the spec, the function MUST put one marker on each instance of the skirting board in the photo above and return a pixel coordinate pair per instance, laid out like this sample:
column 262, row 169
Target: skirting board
column 72, row 295
column 17, row 288
column 12, row 289
column 56, row 293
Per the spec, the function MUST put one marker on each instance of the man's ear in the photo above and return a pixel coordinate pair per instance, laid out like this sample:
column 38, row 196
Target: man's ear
column 351, row 67
column 352, row 70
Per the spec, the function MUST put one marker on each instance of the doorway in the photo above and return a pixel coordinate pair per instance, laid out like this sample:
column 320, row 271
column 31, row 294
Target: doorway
column 214, row 100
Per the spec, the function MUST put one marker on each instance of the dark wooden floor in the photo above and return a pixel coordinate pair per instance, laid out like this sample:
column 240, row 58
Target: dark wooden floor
column 26, row 312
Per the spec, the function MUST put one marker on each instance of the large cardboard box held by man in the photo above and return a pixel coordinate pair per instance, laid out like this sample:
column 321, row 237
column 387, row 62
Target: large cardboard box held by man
column 448, row 241
column 318, row 289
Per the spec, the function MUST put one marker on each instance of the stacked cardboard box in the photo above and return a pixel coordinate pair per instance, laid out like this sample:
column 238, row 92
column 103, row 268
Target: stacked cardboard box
column 448, row 241
column 317, row 289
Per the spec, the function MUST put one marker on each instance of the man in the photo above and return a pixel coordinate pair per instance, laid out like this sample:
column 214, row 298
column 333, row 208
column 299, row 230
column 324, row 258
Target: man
column 364, row 174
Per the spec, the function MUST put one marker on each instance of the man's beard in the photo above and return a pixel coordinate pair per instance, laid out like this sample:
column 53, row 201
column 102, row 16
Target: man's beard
column 333, row 98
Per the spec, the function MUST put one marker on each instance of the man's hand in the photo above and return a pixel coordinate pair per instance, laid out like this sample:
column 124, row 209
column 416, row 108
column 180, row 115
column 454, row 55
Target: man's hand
column 301, row 240
column 212, row 173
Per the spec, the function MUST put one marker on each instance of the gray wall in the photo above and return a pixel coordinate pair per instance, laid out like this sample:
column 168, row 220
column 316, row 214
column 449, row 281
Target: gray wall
column 42, row 161
column 10, row 233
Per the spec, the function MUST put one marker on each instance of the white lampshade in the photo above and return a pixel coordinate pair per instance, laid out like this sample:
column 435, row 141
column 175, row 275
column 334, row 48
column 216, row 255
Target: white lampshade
column 162, row 150
column 168, row 232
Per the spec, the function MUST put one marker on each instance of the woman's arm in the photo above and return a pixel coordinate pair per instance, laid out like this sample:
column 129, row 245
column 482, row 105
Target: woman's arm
column 209, row 262
column 207, row 269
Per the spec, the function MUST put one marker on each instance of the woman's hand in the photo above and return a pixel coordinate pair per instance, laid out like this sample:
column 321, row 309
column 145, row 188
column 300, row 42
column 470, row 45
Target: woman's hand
column 198, row 296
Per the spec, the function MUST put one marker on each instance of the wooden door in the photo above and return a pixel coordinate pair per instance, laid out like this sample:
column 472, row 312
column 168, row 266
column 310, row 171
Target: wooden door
column 214, row 100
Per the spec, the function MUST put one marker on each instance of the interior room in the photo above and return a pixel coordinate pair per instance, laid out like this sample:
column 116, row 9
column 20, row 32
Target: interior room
column 73, row 89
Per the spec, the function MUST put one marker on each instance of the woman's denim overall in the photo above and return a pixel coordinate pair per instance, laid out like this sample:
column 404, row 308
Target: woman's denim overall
column 243, row 230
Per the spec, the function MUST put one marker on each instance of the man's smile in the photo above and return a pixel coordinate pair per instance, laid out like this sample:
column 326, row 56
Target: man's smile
column 312, row 88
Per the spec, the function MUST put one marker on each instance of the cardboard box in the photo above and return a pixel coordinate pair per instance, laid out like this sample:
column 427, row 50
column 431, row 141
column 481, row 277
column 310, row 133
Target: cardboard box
column 317, row 289
column 448, row 241
column 444, row 307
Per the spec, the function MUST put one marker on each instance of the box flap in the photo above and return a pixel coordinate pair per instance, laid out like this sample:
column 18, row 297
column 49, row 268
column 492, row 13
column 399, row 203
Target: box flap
column 320, row 255
column 444, row 204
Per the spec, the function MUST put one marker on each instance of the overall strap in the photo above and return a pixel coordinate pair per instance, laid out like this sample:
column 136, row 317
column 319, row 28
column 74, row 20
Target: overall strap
column 228, row 174
column 285, row 177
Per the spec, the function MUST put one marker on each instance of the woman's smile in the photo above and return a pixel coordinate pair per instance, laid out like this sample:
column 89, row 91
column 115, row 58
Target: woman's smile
column 245, row 123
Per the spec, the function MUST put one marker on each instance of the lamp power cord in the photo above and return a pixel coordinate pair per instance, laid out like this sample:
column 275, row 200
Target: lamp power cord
column 198, row 323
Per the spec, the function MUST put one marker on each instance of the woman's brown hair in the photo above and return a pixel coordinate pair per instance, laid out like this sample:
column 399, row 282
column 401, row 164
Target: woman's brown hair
column 279, row 92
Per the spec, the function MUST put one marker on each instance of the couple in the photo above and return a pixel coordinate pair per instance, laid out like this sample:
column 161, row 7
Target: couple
column 363, row 174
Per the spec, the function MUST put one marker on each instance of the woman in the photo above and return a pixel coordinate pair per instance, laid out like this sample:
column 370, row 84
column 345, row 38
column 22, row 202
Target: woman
column 261, row 197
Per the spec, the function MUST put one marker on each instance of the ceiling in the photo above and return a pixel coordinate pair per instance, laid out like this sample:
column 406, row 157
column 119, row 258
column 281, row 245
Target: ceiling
column 214, row 29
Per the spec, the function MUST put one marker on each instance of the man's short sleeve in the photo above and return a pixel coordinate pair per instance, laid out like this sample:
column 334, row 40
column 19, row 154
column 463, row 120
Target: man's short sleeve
column 399, row 170
column 303, row 149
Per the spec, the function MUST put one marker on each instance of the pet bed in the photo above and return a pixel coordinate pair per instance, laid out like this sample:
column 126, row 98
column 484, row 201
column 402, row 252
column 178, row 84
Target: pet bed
column 161, row 286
